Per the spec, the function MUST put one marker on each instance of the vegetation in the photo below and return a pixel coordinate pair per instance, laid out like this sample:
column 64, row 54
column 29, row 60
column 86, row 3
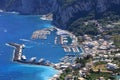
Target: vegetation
column 84, row 60
column 66, row 3
column 109, row 17
column 97, row 75
column 117, row 71
column 117, row 40
column 81, row 25
column 75, row 71
column 111, row 25
column 68, row 71
column 80, row 28
column 65, row 73
column 116, row 60
column 100, row 65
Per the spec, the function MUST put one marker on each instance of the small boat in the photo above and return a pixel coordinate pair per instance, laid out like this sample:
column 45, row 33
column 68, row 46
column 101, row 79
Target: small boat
column 33, row 59
column 23, row 57
column 41, row 60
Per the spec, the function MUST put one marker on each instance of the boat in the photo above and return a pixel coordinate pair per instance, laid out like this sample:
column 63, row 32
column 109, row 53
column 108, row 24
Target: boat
column 33, row 59
column 23, row 57
column 41, row 60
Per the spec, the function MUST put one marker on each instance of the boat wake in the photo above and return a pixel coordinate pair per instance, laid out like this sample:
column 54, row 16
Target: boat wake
column 2, row 29
column 25, row 40
column 7, row 44
column 29, row 46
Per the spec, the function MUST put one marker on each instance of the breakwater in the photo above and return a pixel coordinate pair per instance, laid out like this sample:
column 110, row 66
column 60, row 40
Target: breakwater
column 19, row 57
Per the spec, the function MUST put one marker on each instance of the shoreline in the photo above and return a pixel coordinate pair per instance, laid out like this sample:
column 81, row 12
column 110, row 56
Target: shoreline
column 18, row 57
column 30, row 63
column 48, row 17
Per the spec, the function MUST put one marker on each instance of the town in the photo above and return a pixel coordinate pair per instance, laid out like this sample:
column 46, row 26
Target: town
column 98, row 60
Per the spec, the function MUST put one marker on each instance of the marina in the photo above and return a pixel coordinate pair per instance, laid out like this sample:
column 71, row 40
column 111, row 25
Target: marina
column 41, row 34
column 67, row 41
column 19, row 29
column 71, row 49
column 64, row 38
column 58, row 39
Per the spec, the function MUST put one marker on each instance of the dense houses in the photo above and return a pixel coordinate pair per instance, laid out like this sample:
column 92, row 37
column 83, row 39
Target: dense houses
column 101, row 49
column 95, row 49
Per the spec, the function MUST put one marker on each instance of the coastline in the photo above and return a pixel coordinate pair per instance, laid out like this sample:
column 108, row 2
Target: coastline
column 33, row 64
column 56, row 66
column 6, row 52
column 48, row 17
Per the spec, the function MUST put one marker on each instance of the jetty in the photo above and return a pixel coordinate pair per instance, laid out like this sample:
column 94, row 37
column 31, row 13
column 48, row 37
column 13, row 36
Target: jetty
column 41, row 34
column 19, row 57
column 17, row 54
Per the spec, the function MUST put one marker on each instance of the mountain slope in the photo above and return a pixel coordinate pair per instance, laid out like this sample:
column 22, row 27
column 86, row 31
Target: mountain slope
column 64, row 12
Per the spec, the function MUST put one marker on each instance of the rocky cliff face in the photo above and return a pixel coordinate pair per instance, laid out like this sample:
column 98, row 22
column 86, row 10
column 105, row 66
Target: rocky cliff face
column 82, row 8
column 27, row 6
column 62, row 13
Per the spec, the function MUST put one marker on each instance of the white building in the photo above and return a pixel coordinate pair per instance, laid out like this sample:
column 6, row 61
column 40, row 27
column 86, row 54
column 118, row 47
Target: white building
column 111, row 66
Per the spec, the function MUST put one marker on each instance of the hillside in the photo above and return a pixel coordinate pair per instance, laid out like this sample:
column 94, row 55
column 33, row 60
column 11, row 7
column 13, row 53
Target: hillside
column 65, row 12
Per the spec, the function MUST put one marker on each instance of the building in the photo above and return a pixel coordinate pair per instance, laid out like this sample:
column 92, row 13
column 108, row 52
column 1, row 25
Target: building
column 111, row 66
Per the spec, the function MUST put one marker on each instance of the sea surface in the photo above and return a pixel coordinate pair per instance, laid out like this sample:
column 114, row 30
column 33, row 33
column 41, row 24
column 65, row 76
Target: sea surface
column 19, row 28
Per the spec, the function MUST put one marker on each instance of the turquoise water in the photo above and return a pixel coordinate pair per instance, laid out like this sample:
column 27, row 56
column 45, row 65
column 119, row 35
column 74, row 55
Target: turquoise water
column 18, row 29
column 13, row 28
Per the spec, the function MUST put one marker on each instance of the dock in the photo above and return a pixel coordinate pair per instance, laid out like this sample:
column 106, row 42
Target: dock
column 17, row 54
column 20, row 58
column 41, row 34
column 71, row 48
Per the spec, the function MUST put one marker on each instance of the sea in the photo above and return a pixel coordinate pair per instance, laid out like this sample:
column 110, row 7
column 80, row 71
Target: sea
column 18, row 29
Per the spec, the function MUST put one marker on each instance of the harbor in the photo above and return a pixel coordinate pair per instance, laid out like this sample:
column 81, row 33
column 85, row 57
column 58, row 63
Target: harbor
column 53, row 38
column 17, row 53
column 41, row 34
column 19, row 57
column 64, row 39
column 75, row 49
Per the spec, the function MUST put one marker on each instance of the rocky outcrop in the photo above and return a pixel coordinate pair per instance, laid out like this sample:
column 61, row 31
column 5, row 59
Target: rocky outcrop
column 27, row 6
column 62, row 15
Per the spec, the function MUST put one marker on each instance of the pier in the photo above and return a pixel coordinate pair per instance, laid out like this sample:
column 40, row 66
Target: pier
column 19, row 57
column 41, row 34
column 17, row 54
column 71, row 48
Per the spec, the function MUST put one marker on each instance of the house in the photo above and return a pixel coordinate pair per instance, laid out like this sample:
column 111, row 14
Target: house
column 101, row 78
column 69, row 77
column 111, row 66
column 80, row 78
column 117, row 55
column 78, row 65
column 83, row 72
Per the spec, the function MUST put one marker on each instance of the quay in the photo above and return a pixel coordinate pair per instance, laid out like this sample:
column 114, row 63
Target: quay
column 17, row 54
column 19, row 57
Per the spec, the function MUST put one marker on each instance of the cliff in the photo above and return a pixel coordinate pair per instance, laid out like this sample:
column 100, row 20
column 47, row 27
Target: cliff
column 64, row 11
column 65, row 15
column 27, row 6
